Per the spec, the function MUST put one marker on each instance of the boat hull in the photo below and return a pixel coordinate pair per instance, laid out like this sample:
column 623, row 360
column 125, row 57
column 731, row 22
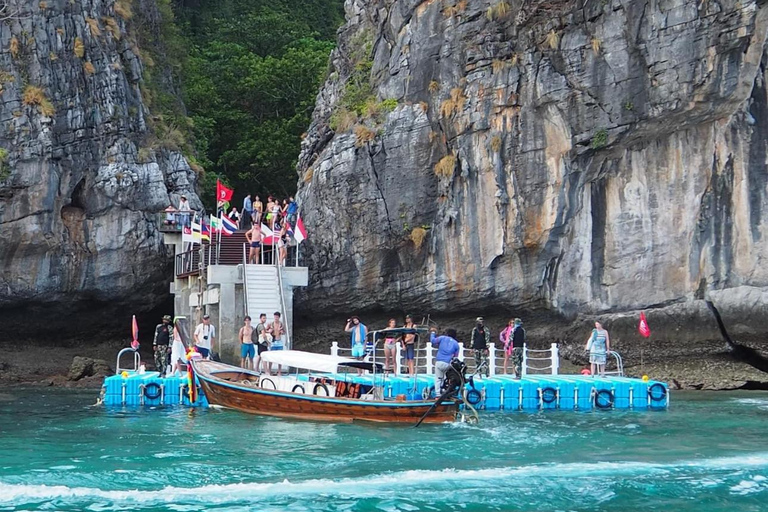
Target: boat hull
column 282, row 404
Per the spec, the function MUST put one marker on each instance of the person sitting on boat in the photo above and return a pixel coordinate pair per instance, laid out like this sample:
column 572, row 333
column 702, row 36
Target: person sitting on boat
column 161, row 342
column 205, row 333
column 247, row 350
column 358, row 332
column 409, row 346
column 598, row 345
column 481, row 336
column 276, row 329
column 447, row 349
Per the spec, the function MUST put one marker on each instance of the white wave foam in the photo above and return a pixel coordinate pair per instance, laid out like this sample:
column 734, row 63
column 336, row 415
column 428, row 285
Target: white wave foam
column 375, row 484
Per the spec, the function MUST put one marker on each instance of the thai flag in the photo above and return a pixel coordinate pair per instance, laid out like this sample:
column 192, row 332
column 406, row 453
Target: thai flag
column 228, row 226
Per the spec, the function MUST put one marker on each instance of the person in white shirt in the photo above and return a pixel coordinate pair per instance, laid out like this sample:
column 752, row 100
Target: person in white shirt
column 205, row 334
column 184, row 211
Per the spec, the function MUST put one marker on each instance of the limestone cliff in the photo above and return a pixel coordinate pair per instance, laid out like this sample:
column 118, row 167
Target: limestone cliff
column 595, row 156
column 82, row 172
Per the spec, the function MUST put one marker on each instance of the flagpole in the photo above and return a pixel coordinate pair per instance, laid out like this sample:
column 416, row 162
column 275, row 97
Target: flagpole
column 295, row 227
column 218, row 240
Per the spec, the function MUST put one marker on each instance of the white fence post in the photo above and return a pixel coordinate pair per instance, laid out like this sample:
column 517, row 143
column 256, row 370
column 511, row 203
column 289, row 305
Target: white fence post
column 461, row 351
column 555, row 359
column 524, row 368
column 335, row 348
column 491, row 359
column 398, row 348
column 429, row 368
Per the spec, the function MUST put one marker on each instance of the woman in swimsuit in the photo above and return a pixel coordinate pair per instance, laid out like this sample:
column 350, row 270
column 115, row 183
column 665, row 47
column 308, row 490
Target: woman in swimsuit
column 409, row 341
column 390, row 348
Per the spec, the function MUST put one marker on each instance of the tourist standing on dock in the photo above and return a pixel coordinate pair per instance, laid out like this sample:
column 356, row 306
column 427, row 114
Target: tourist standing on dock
column 185, row 211
column 409, row 346
column 205, row 334
column 263, row 339
column 447, row 349
column 513, row 338
column 358, row 334
column 598, row 345
column 245, row 221
column 277, row 330
column 293, row 211
column 258, row 209
column 247, row 350
column 253, row 237
column 481, row 336
column 390, row 348
column 163, row 334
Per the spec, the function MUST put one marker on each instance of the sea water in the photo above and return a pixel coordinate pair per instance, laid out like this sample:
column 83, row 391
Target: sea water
column 708, row 452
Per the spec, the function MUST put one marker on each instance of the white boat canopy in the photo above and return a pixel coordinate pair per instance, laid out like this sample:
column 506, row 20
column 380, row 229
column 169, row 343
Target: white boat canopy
column 315, row 362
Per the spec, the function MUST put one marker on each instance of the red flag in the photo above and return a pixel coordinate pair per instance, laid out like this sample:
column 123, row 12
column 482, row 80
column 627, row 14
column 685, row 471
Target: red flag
column 300, row 233
column 223, row 193
column 643, row 328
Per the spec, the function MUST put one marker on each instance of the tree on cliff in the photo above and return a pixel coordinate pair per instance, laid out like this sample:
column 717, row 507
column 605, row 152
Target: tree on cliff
column 250, row 80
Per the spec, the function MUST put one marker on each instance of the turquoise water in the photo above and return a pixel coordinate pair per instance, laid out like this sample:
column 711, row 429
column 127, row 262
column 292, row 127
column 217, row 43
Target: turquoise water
column 709, row 452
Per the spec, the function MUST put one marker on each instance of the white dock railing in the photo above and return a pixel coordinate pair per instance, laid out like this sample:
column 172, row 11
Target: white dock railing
column 543, row 361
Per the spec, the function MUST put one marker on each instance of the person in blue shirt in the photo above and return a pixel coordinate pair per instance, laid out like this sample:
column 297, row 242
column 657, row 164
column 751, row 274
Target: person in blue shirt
column 291, row 211
column 447, row 349
column 359, row 332
column 247, row 213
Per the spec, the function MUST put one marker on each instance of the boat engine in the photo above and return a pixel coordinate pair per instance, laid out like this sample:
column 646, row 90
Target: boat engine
column 455, row 377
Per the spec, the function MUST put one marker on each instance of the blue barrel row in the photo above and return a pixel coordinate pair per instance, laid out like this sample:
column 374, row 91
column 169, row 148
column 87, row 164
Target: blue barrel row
column 149, row 389
column 568, row 392
column 534, row 392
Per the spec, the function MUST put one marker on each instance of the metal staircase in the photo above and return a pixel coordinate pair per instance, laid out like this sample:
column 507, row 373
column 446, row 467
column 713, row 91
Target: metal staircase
column 262, row 291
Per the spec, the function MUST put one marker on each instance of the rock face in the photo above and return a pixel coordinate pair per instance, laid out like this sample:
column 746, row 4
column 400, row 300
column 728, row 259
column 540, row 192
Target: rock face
column 80, row 183
column 592, row 157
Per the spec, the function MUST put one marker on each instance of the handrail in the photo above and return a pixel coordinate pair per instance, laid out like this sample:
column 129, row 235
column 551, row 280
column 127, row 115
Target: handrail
column 619, row 364
column 136, row 360
column 282, row 302
column 245, row 278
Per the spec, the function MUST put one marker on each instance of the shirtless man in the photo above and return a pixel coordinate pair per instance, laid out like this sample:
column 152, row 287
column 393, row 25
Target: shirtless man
column 253, row 236
column 247, row 350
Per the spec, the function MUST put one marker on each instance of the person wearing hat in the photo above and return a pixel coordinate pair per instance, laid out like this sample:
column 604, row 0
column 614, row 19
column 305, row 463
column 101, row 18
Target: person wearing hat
column 480, row 338
column 184, row 211
column 205, row 334
column 163, row 334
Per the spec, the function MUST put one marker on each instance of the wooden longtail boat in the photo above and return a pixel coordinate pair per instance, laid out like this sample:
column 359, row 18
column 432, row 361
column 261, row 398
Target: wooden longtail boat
column 303, row 398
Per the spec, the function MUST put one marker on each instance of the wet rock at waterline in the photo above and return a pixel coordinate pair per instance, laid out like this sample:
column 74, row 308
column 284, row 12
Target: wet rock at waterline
column 583, row 157
column 87, row 367
column 82, row 174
